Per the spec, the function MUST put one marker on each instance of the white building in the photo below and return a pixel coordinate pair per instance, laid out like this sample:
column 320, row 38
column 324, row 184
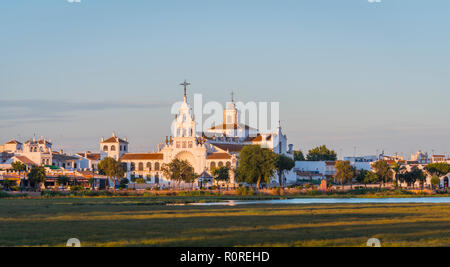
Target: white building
column 314, row 170
column 219, row 146
column 363, row 162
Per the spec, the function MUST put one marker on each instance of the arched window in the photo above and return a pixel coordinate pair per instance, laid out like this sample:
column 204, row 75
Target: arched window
column 105, row 148
column 132, row 166
column 149, row 166
column 213, row 165
column 220, row 164
column 113, row 148
column 229, row 164
column 157, row 166
column 141, row 166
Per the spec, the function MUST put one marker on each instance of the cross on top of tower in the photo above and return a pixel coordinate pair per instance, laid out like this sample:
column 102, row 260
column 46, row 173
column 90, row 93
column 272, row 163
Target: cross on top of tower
column 185, row 84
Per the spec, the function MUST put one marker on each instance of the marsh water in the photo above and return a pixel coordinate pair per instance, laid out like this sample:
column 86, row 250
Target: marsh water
column 331, row 201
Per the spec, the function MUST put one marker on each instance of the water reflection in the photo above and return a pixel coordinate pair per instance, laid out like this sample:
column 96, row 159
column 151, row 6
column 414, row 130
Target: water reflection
column 330, row 201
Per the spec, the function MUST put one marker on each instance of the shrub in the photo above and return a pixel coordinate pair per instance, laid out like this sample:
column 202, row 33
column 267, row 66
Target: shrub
column 244, row 191
column 76, row 188
column 50, row 193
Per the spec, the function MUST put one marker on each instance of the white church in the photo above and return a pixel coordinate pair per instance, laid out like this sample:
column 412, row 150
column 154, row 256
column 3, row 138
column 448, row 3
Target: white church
column 219, row 146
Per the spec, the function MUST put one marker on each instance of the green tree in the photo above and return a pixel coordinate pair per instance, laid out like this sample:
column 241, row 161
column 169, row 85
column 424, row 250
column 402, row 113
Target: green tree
column 420, row 176
column 321, row 153
column 112, row 169
column 179, row 171
column 439, row 169
column 383, row 171
column 18, row 166
column 397, row 168
column 256, row 165
column 366, row 177
column 283, row 164
column 360, row 175
column 221, row 174
column 299, row 156
column 344, row 172
column 370, row 178
column 36, row 176
column 435, row 181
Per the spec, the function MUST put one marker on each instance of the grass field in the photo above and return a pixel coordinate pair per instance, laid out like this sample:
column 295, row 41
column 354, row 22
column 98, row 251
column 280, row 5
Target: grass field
column 146, row 222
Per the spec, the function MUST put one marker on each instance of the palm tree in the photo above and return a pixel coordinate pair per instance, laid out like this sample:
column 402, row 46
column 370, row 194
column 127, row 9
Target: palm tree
column 397, row 168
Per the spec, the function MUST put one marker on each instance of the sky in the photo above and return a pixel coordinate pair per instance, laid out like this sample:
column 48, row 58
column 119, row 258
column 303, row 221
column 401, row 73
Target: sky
column 357, row 76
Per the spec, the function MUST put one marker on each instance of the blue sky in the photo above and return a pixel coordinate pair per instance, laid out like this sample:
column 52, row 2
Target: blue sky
column 348, row 74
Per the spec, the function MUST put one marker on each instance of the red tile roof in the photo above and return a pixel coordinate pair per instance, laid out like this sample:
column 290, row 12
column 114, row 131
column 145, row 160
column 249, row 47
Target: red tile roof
column 13, row 142
column 143, row 156
column 25, row 160
column 219, row 155
column 230, row 147
column 113, row 139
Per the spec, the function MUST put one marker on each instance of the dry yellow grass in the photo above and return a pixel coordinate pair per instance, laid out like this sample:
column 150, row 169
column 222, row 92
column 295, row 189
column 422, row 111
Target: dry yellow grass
column 138, row 222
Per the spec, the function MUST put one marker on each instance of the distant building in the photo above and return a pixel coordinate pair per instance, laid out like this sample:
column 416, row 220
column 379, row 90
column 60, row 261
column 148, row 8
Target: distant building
column 314, row 170
column 420, row 157
column 363, row 162
column 113, row 147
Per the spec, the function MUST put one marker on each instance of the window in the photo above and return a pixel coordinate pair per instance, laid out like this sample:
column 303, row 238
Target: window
column 220, row 164
column 213, row 165
column 105, row 148
column 125, row 148
column 120, row 148
column 184, row 144
column 113, row 148
column 157, row 166
column 178, row 144
column 190, row 144
column 141, row 166
column 132, row 166
column 123, row 164
column 229, row 164
column 149, row 166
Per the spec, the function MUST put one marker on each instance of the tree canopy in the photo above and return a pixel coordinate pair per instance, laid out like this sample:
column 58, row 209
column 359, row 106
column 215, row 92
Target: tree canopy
column 221, row 174
column 344, row 172
column 283, row 164
column 321, row 153
column 112, row 169
column 383, row 171
column 256, row 165
column 36, row 176
column 439, row 169
column 179, row 171
column 18, row 166
column 299, row 156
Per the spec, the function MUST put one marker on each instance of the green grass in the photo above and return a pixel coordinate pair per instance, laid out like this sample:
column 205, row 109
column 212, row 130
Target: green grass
column 145, row 221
